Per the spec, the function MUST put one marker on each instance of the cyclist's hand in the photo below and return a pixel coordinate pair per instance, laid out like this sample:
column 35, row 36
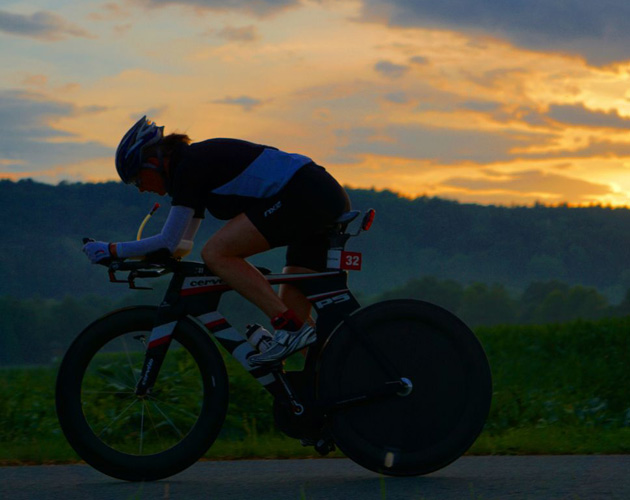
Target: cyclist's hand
column 97, row 251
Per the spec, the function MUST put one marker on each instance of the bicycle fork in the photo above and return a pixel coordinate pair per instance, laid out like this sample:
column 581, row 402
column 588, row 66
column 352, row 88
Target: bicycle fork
column 157, row 347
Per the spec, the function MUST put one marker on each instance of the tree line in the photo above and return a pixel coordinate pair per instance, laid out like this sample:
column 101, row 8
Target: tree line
column 38, row 331
column 480, row 304
column 42, row 227
column 488, row 264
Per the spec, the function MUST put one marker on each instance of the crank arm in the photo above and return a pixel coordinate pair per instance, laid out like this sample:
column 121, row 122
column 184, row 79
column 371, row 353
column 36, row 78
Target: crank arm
column 296, row 407
column 400, row 388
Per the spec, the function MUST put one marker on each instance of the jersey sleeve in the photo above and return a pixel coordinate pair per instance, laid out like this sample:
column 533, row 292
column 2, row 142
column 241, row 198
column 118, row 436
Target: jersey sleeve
column 179, row 220
column 187, row 189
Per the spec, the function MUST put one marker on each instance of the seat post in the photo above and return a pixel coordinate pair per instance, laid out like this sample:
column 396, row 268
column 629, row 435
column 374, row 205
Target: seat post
column 338, row 237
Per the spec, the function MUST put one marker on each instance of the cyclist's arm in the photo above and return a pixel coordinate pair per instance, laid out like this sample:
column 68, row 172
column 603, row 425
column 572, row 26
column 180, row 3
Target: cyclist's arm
column 193, row 227
column 180, row 224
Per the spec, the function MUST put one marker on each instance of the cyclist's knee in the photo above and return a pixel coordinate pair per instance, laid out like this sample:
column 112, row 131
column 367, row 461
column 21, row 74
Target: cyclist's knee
column 211, row 254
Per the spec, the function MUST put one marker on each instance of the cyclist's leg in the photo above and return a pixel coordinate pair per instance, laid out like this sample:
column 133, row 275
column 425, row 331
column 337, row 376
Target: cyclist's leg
column 307, row 255
column 225, row 254
column 299, row 212
column 293, row 297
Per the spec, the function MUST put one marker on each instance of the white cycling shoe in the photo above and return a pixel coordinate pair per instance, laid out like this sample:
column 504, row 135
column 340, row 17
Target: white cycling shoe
column 284, row 344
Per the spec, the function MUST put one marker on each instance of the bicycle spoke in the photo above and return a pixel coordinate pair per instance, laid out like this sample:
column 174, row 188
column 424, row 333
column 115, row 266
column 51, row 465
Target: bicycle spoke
column 174, row 408
column 114, row 381
column 168, row 420
column 128, row 393
column 155, row 427
column 141, row 427
column 131, row 365
column 118, row 417
column 169, row 410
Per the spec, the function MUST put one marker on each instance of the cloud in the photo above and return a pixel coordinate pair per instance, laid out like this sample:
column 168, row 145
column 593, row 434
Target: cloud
column 26, row 113
column 580, row 115
column 259, row 8
column 595, row 148
column 397, row 97
column 558, row 116
column 482, row 106
column 532, row 183
column 109, row 11
column 390, row 69
column 442, row 146
column 35, row 80
column 242, row 34
column 247, row 103
column 41, row 25
column 595, row 30
column 28, row 141
column 419, row 60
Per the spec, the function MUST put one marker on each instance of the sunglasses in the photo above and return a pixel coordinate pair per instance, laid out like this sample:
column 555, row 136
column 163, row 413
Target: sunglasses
column 136, row 181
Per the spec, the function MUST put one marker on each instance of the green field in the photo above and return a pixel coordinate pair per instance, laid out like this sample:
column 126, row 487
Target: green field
column 557, row 389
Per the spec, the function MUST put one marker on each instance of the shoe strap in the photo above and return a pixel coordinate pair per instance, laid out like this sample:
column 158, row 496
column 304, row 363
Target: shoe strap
column 288, row 320
column 281, row 337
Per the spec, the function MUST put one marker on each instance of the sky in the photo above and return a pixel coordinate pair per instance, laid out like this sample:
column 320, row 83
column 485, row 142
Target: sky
column 483, row 101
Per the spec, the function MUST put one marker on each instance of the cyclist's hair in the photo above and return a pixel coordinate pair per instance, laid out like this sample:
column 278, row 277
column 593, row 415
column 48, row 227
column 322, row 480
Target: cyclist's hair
column 167, row 145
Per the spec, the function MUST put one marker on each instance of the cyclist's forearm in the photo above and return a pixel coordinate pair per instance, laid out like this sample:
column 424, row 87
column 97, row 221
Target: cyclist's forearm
column 176, row 226
column 141, row 247
column 191, row 230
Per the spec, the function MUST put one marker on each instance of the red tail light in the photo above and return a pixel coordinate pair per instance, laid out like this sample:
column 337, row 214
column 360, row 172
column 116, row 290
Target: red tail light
column 368, row 218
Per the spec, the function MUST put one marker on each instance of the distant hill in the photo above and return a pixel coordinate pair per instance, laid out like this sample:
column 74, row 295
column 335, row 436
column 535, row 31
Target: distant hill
column 42, row 226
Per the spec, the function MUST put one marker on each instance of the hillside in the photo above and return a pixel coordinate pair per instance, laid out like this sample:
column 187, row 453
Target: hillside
column 42, row 227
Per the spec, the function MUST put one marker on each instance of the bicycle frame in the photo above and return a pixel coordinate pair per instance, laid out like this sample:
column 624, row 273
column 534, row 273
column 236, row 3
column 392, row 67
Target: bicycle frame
column 194, row 292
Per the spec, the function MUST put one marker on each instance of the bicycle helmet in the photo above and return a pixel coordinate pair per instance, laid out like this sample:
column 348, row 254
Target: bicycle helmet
column 129, row 153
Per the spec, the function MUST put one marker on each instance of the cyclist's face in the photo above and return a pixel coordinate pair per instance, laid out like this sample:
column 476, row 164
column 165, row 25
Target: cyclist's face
column 150, row 180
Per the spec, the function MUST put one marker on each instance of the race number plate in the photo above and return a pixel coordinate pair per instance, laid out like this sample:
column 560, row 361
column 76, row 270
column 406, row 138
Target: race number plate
column 350, row 261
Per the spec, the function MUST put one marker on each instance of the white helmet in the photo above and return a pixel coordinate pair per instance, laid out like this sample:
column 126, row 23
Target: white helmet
column 129, row 153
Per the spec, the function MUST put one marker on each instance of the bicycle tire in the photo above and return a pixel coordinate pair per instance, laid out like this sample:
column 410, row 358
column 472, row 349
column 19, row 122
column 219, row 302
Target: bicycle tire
column 449, row 403
column 140, row 439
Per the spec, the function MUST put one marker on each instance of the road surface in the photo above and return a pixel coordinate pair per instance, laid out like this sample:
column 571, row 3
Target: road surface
column 470, row 478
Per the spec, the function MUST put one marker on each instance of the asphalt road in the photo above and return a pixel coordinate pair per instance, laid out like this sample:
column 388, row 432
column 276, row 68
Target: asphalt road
column 470, row 478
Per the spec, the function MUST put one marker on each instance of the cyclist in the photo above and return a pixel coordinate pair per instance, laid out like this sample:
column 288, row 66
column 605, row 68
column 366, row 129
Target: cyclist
column 269, row 198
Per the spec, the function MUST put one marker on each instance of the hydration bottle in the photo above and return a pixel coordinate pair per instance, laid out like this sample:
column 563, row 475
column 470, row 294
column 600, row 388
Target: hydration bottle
column 259, row 337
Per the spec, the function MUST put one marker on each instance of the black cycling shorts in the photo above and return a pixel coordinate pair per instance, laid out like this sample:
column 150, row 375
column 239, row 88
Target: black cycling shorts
column 297, row 217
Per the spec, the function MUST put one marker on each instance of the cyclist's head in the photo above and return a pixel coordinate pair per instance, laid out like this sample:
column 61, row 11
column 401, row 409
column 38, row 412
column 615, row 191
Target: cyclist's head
column 129, row 155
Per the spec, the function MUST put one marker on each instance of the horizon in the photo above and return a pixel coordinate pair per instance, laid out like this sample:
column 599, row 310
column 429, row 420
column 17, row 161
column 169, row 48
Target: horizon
column 371, row 189
column 495, row 107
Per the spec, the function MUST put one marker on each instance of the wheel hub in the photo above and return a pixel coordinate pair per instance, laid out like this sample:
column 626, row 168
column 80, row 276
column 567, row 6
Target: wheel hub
column 406, row 387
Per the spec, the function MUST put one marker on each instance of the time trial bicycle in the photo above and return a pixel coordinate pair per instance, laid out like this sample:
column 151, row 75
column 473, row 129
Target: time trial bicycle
column 401, row 387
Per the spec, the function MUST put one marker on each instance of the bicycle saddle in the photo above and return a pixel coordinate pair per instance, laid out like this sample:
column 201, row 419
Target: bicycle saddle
column 347, row 217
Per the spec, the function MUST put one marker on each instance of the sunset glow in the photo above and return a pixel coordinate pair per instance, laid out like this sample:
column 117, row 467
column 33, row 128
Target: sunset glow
column 393, row 95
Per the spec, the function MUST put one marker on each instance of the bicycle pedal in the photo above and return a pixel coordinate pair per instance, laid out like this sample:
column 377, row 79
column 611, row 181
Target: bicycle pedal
column 324, row 446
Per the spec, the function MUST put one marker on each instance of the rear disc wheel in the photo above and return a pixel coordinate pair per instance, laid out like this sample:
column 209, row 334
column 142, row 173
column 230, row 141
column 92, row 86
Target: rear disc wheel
column 444, row 396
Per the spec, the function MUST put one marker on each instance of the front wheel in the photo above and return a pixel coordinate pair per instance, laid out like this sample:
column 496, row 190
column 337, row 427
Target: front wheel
column 140, row 438
column 439, row 412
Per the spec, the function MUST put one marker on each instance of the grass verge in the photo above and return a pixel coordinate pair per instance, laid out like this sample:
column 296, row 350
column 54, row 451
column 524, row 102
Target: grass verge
column 558, row 389
column 526, row 441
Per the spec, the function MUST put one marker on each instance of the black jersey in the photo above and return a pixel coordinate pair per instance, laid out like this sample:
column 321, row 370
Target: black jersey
column 227, row 176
